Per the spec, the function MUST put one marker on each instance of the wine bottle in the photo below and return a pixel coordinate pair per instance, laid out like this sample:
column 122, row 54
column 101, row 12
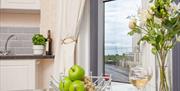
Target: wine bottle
column 49, row 44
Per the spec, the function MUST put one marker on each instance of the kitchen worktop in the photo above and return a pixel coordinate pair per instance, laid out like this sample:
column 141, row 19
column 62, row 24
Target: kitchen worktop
column 27, row 57
column 114, row 87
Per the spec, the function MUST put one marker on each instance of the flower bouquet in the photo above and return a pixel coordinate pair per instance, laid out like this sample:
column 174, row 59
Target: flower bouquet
column 159, row 26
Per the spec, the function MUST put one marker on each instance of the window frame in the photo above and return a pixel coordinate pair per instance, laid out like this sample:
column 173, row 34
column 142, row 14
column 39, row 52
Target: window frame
column 97, row 38
column 101, row 34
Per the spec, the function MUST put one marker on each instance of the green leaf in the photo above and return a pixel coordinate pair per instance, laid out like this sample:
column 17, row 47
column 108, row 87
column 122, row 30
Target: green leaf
column 154, row 51
column 158, row 38
column 152, row 42
column 39, row 39
column 144, row 38
column 131, row 33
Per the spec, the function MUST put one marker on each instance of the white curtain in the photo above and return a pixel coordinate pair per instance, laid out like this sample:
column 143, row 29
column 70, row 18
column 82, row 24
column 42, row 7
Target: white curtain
column 69, row 15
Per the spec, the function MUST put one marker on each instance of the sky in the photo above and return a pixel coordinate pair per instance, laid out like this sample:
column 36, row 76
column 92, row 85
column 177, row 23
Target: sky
column 116, row 25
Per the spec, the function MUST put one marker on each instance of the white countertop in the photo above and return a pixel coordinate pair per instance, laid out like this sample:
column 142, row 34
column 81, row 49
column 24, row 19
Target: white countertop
column 122, row 87
column 115, row 87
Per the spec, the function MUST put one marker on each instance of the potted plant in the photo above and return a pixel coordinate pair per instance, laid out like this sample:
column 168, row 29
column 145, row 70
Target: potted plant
column 39, row 42
column 159, row 25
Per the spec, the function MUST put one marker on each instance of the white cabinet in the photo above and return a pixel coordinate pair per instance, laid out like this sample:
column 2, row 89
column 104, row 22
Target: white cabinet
column 20, row 4
column 17, row 74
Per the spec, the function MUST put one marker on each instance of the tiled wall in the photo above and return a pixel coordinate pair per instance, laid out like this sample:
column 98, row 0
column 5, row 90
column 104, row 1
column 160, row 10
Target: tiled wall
column 21, row 43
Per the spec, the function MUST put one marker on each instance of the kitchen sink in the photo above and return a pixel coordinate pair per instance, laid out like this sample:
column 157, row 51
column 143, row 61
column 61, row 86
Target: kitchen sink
column 4, row 52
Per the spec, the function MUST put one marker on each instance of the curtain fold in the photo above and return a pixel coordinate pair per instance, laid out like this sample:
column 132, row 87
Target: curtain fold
column 69, row 15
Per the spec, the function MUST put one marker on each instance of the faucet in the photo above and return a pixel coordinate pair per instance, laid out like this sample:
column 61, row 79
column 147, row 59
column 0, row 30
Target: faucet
column 6, row 44
column 5, row 51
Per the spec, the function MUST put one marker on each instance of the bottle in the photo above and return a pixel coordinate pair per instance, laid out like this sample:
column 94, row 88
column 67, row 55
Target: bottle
column 49, row 44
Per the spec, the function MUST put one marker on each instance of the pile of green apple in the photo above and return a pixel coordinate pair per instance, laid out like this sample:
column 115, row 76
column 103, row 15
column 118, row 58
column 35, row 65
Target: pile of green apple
column 74, row 81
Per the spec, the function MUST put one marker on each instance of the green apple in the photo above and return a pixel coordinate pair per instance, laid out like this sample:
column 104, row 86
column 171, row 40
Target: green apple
column 64, row 84
column 76, row 73
column 77, row 86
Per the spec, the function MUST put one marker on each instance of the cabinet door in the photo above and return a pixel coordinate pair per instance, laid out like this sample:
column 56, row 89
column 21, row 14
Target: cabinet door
column 17, row 75
column 20, row 4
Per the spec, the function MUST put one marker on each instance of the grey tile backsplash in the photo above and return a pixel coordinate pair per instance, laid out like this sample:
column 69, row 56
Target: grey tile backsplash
column 21, row 43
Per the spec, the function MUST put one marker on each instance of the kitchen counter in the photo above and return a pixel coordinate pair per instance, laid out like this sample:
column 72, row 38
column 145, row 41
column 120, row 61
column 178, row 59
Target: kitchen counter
column 25, row 70
column 114, row 87
column 27, row 57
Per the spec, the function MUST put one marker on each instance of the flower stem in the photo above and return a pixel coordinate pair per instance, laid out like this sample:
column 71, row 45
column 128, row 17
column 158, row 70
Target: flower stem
column 163, row 85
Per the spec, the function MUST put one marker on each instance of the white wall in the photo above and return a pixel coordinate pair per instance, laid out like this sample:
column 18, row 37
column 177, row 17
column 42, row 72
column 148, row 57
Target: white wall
column 19, row 19
column 48, row 18
column 43, row 73
column 47, row 22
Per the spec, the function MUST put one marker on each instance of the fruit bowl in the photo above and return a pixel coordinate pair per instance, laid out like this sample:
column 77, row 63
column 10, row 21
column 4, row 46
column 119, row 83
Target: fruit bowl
column 92, row 83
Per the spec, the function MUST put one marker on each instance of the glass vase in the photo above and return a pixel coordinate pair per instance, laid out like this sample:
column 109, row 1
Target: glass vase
column 163, row 73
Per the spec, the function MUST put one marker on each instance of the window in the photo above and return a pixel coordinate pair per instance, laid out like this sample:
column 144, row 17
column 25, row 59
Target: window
column 120, row 51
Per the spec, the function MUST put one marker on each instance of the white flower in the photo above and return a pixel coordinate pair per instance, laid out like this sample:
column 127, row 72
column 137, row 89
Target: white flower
column 149, row 14
column 157, row 20
column 150, row 11
column 173, row 7
column 132, row 23
column 144, row 15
